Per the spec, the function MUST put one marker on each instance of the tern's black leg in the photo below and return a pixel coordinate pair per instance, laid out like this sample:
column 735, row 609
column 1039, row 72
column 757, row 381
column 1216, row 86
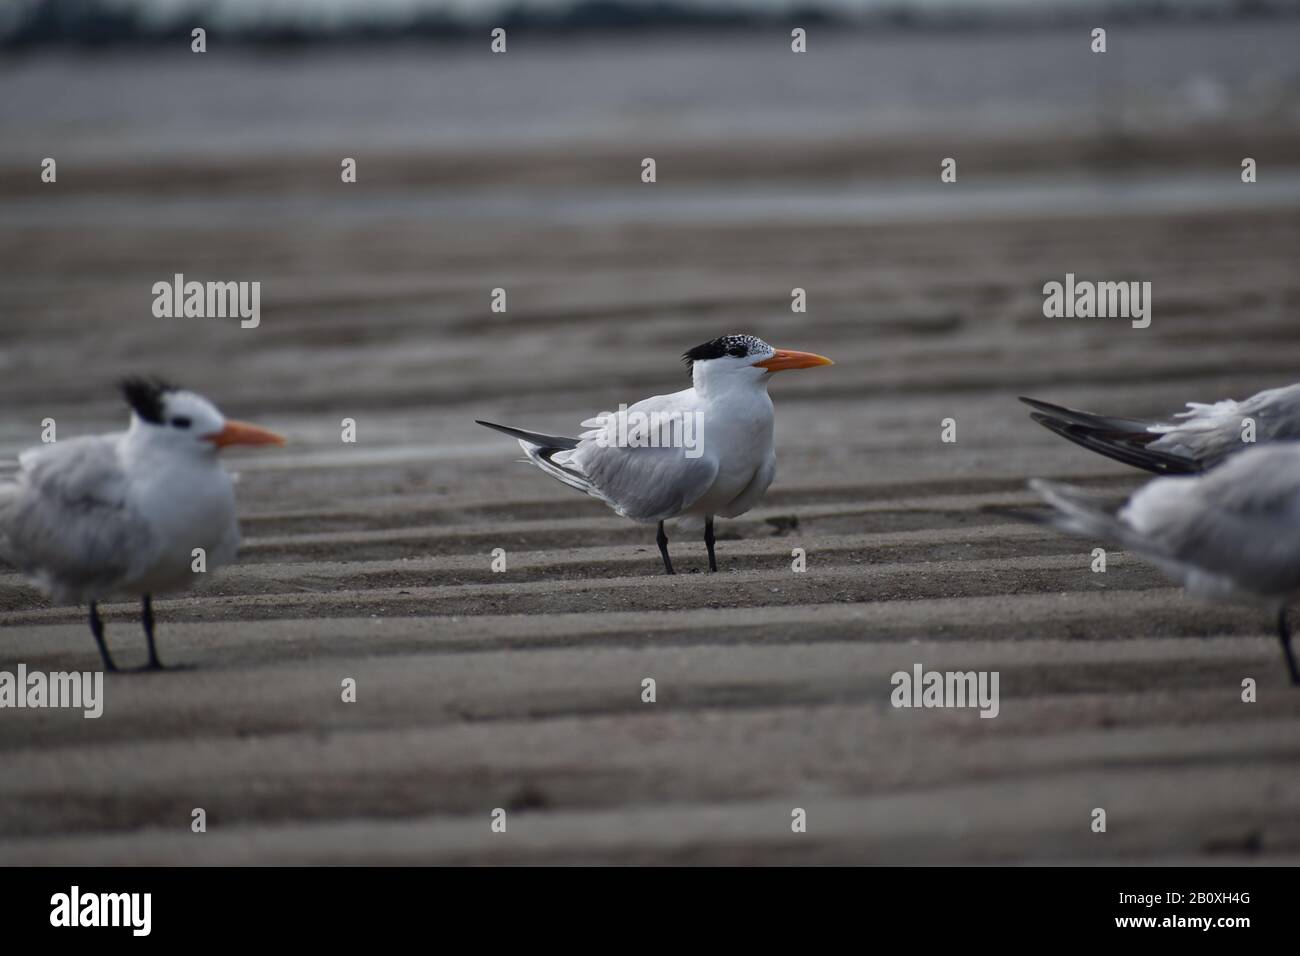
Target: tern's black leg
column 662, row 540
column 708, row 542
column 146, row 617
column 1284, row 635
column 97, row 628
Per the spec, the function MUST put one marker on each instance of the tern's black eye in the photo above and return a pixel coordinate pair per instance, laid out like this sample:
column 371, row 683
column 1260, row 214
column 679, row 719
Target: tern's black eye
column 739, row 351
column 181, row 421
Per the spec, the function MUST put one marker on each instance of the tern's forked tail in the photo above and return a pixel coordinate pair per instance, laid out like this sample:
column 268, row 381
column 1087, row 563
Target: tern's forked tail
column 1077, row 512
column 558, row 442
column 541, row 450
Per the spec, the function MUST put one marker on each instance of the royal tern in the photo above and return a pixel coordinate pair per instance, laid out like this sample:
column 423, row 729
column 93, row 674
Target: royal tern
column 1230, row 534
column 1199, row 438
column 723, row 463
column 121, row 514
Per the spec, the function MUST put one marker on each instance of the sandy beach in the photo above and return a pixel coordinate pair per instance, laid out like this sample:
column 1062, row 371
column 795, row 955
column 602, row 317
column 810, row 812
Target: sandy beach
column 522, row 690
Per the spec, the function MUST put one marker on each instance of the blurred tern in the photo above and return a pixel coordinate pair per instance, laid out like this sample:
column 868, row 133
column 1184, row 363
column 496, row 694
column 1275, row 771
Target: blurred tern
column 121, row 513
column 1231, row 534
column 722, row 463
column 1204, row 436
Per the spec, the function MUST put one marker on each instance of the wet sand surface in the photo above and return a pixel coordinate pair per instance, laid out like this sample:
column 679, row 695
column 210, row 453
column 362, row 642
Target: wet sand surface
column 522, row 690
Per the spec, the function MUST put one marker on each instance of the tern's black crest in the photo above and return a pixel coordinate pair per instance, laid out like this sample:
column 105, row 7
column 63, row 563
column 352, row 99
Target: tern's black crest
column 145, row 396
column 737, row 345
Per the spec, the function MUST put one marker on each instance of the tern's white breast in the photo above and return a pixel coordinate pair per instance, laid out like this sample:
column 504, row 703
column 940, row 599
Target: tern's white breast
column 189, row 504
column 737, row 433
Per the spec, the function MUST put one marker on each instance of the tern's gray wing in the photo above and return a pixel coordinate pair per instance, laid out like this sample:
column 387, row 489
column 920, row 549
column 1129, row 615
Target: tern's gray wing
column 68, row 522
column 1276, row 412
column 629, row 461
column 1132, row 441
column 1238, row 522
column 1210, row 433
column 644, row 484
column 637, row 479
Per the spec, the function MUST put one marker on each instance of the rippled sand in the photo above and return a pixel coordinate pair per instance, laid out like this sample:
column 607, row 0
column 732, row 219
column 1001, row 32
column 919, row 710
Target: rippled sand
column 523, row 690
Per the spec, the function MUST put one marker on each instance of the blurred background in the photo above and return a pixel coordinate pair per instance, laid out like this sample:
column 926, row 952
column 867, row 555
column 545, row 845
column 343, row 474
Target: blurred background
column 775, row 171
column 523, row 171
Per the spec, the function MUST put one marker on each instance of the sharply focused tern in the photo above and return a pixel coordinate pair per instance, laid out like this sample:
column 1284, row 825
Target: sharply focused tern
column 121, row 514
column 1202, row 437
column 723, row 463
column 1231, row 534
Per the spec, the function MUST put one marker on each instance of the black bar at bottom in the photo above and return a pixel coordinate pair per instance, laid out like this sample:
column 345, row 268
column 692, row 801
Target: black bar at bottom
column 331, row 905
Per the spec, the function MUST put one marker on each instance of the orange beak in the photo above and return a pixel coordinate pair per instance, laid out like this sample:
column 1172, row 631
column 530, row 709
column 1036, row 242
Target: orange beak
column 242, row 433
column 784, row 359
